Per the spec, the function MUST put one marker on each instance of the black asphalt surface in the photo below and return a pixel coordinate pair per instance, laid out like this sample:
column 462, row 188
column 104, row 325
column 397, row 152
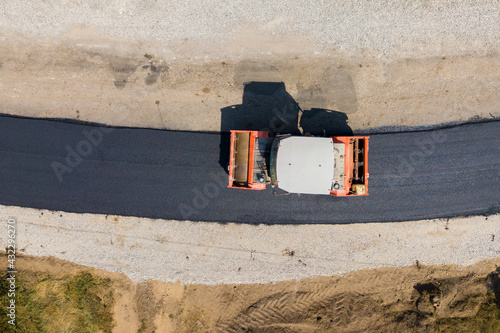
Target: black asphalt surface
column 176, row 175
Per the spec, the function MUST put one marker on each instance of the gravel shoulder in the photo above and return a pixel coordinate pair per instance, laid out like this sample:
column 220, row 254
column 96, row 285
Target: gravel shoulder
column 211, row 253
column 167, row 65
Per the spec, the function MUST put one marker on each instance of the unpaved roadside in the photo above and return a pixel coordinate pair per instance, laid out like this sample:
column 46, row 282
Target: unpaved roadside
column 416, row 298
column 76, row 79
column 212, row 253
column 173, row 65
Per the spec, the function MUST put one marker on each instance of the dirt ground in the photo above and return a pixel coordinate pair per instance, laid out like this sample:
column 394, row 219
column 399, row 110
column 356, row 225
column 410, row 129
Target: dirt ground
column 417, row 298
column 87, row 76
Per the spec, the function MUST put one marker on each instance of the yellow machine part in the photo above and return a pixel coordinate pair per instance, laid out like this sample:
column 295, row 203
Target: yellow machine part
column 358, row 189
column 242, row 145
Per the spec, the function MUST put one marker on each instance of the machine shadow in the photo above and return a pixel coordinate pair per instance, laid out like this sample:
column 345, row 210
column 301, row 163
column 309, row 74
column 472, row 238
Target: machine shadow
column 267, row 106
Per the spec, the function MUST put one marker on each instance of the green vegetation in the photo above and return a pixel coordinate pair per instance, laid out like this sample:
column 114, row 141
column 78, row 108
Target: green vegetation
column 46, row 303
column 143, row 327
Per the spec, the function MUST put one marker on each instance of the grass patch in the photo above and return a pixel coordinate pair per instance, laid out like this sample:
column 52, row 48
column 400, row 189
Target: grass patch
column 143, row 327
column 71, row 303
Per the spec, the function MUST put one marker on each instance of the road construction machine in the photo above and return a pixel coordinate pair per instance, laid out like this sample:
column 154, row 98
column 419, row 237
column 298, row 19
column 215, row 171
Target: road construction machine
column 335, row 165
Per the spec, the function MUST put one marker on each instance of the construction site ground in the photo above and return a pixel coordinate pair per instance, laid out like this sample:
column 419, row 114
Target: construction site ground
column 388, row 66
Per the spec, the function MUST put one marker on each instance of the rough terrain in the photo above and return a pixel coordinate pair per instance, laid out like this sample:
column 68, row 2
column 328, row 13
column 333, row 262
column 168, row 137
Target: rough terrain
column 417, row 299
column 172, row 65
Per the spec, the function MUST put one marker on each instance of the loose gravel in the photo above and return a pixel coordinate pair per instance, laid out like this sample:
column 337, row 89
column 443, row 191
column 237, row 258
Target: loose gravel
column 211, row 253
column 419, row 27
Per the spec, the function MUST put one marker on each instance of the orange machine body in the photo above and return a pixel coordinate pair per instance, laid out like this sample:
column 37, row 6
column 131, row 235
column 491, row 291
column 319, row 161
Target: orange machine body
column 355, row 164
column 244, row 175
column 248, row 150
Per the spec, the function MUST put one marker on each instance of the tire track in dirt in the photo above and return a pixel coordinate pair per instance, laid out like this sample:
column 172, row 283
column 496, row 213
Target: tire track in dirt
column 278, row 309
column 290, row 307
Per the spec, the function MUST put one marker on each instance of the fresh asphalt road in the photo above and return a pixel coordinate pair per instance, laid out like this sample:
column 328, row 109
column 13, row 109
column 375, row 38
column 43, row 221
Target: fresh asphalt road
column 176, row 175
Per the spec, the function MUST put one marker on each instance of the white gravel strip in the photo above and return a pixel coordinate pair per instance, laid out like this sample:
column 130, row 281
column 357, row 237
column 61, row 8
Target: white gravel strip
column 212, row 253
column 426, row 26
